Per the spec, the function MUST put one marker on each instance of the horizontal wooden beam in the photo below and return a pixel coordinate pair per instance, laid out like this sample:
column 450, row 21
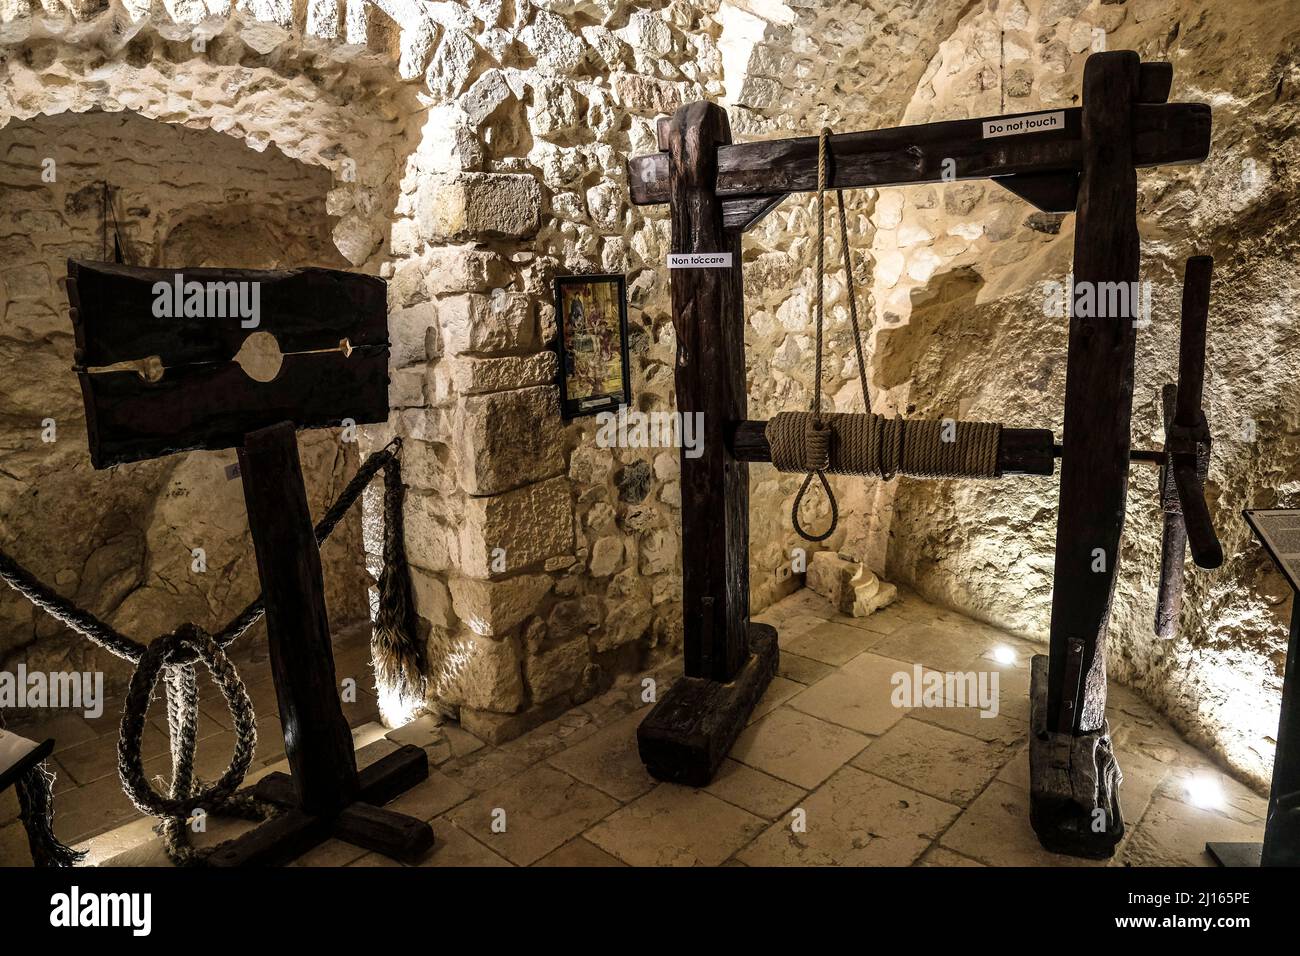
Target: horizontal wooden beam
column 1164, row 134
column 1021, row 451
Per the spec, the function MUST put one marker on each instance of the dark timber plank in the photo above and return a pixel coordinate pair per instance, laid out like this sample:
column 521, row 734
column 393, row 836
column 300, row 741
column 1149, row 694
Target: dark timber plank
column 1098, row 402
column 1155, row 80
column 317, row 739
column 1021, row 451
column 688, row 733
column 393, row 834
column 709, row 320
column 379, row 782
column 277, row 841
column 1162, row 134
column 214, row 406
column 306, row 309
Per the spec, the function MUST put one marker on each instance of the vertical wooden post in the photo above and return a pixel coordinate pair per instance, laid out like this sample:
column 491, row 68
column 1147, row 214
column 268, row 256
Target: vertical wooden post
column 729, row 661
column 708, row 314
column 1098, row 401
column 1074, row 779
column 316, row 735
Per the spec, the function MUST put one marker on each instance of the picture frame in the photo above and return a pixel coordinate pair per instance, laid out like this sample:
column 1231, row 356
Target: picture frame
column 591, row 343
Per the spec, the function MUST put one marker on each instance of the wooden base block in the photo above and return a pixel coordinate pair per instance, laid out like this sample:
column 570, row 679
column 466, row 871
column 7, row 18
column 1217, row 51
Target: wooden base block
column 393, row 834
column 364, row 822
column 274, row 843
column 688, row 733
column 1073, row 783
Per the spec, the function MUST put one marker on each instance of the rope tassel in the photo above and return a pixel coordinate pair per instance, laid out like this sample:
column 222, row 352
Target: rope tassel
column 398, row 655
column 36, row 807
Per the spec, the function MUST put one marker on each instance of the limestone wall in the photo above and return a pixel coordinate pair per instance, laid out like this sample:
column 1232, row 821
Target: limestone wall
column 121, row 542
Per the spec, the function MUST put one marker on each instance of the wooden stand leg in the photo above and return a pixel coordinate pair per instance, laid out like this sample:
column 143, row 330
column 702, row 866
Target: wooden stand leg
column 1094, row 470
column 678, row 741
column 317, row 739
column 322, row 794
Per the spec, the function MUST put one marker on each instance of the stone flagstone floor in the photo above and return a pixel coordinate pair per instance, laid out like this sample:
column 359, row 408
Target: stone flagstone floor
column 873, row 784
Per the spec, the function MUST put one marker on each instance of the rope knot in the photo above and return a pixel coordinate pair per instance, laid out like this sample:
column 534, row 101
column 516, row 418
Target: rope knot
column 182, row 647
column 817, row 444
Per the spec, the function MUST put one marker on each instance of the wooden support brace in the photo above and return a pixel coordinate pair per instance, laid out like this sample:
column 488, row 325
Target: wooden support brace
column 319, row 743
column 1041, row 166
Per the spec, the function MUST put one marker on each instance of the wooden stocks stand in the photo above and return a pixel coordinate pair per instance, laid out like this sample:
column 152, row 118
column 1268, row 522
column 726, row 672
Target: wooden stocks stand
column 1082, row 160
column 332, row 329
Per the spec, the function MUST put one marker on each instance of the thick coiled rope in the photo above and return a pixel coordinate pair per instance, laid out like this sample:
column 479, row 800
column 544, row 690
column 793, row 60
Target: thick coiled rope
column 173, row 657
column 881, row 447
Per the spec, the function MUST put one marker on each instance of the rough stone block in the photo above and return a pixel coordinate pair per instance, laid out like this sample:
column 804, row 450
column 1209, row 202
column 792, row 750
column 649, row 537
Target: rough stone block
column 408, row 335
column 527, row 525
column 472, row 205
column 451, row 269
column 624, row 624
column 501, row 322
column 474, row 376
column 472, row 670
column 432, row 599
column 495, row 607
column 851, row 587
column 430, row 544
column 507, row 439
column 556, row 671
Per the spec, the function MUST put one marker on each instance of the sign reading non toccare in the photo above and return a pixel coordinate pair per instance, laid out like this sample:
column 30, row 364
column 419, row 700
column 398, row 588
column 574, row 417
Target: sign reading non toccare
column 1015, row 125
column 699, row 260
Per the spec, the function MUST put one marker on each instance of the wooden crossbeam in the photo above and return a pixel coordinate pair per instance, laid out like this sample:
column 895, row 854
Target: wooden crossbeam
column 1163, row 134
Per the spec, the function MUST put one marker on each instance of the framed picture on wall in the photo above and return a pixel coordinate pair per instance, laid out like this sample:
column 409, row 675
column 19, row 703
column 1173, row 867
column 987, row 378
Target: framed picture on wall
column 591, row 312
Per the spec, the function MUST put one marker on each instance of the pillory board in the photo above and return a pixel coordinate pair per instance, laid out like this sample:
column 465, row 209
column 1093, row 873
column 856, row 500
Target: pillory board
column 331, row 328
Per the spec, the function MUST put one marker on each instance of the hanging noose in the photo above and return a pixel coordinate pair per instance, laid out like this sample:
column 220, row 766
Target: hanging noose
column 818, row 433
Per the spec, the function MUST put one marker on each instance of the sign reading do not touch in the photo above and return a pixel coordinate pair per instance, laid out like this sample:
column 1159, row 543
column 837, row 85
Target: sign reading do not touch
column 1034, row 123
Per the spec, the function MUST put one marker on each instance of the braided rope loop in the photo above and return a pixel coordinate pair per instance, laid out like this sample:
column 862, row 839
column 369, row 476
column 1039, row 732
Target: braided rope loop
column 173, row 652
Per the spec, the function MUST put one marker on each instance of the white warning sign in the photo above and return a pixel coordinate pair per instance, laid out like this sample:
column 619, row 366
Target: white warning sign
column 1015, row 125
column 699, row 260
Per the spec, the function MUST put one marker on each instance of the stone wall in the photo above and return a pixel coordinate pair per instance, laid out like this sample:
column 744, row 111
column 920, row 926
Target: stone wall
column 121, row 542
